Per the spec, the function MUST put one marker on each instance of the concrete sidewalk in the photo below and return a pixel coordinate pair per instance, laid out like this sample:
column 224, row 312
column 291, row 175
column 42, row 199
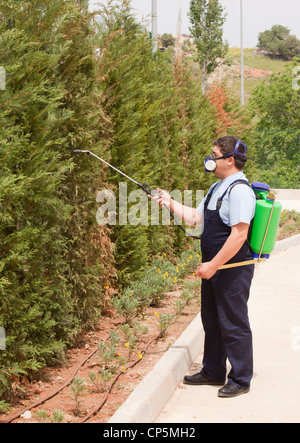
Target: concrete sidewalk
column 274, row 311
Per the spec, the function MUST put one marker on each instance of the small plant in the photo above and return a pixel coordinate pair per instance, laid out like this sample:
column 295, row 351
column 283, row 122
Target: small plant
column 99, row 381
column 191, row 290
column 4, row 407
column 42, row 416
column 164, row 322
column 131, row 345
column 95, row 381
column 179, row 306
column 187, row 263
column 126, row 305
column 132, row 335
column 78, row 388
column 108, row 350
column 105, row 377
column 57, row 416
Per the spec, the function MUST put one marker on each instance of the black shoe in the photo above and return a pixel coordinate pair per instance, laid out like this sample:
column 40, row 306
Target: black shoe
column 229, row 391
column 198, row 379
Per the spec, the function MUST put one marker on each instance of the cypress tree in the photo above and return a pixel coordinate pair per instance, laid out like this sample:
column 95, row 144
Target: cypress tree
column 51, row 270
column 162, row 124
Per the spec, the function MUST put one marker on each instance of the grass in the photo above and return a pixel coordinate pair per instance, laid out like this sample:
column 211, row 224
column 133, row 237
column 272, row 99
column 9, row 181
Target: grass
column 256, row 61
column 252, row 60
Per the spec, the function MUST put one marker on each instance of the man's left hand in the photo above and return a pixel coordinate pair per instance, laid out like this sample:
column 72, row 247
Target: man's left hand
column 206, row 270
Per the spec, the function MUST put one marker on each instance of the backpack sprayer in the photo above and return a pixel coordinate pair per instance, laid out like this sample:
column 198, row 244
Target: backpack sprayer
column 264, row 226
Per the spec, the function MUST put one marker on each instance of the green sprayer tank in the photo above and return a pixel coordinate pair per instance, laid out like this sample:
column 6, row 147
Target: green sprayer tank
column 266, row 221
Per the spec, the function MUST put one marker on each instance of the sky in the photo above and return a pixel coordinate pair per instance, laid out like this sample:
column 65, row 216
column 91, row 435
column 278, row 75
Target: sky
column 258, row 16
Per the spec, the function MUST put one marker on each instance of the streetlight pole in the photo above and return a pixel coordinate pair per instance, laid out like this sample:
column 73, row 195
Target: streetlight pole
column 154, row 24
column 242, row 56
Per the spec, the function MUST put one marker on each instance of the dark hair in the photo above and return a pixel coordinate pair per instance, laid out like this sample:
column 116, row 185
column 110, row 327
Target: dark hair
column 227, row 145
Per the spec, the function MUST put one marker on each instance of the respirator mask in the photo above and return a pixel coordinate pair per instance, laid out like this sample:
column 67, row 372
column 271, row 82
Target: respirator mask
column 210, row 161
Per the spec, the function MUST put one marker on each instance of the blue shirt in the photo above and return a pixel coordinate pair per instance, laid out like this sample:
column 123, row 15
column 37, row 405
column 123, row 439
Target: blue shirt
column 238, row 207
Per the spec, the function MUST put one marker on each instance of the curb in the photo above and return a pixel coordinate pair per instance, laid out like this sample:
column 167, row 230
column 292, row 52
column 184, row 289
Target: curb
column 286, row 243
column 149, row 398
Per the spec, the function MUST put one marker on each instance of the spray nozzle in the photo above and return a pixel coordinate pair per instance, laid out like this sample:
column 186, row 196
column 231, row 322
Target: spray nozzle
column 79, row 151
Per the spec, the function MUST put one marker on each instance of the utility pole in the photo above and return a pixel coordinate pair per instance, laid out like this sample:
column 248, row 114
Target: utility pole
column 154, row 25
column 242, row 57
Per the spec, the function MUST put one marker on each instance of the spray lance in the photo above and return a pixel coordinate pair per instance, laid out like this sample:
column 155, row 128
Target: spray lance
column 145, row 187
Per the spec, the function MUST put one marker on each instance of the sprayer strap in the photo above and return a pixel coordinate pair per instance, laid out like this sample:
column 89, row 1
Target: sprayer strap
column 230, row 187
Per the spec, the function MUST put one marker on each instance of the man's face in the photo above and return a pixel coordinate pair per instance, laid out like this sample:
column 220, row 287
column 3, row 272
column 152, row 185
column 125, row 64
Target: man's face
column 220, row 164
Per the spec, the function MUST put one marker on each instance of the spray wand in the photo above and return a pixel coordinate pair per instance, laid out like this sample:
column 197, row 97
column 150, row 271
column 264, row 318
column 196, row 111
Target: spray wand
column 145, row 187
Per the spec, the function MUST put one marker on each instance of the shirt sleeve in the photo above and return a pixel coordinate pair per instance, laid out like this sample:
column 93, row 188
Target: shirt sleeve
column 200, row 209
column 241, row 205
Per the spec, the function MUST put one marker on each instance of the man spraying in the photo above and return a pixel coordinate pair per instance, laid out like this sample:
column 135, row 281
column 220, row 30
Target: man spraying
column 225, row 214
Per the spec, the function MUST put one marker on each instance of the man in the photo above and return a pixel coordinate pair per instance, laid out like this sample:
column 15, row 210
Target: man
column 225, row 213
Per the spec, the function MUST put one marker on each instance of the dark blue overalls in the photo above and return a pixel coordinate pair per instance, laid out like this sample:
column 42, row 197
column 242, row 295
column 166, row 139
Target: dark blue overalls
column 224, row 309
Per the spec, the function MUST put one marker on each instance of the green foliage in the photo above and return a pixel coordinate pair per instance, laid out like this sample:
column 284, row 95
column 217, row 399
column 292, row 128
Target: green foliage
column 289, row 224
column 77, row 388
column 50, row 271
column 99, row 381
column 164, row 322
column 276, row 105
column 278, row 42
column 167, row 40
column 42, row 416
column 4, row 407
column 207, row 20
column 107, row 352
column 162, row 127
column 126, row 305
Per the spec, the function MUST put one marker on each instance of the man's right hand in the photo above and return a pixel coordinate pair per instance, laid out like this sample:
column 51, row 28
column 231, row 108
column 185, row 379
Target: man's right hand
column 162, row 198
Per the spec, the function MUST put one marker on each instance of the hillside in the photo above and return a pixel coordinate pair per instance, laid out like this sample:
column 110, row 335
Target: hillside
column 257, row 67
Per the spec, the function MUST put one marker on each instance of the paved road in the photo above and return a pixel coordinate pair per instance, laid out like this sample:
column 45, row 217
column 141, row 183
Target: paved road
column 274, row 310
